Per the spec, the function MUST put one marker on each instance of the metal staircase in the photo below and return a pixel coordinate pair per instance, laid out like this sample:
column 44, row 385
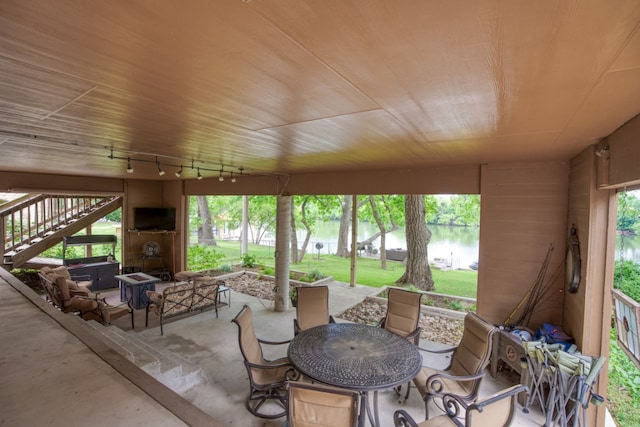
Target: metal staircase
column 36, row 222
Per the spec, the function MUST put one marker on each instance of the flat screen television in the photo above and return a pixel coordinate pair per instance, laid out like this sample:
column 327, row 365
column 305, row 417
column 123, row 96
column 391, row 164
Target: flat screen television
column 154, row 218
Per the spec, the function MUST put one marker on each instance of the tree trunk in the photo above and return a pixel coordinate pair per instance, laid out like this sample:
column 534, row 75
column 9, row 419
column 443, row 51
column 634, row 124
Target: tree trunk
column 205, row 232
column 307, row 229
column 383, row 233
column 418, row 236
column 294, row 238
column 343, row 234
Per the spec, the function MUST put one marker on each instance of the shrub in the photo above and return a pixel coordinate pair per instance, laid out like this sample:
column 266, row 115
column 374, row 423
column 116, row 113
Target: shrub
column 248, row 261
column 624, row 386
column 456, row 305
column 626, row 278
column 268, row 271
column 312, row 276
column 201, row 257
column 226, row 268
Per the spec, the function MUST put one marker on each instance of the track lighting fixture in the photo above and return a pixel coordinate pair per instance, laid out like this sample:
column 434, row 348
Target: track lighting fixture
column 168, row 163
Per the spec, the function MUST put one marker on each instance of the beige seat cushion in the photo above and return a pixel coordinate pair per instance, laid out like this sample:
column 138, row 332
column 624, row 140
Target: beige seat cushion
column 449, row 386
column 314, row 405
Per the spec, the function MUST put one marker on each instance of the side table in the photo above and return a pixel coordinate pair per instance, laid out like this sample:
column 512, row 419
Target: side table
column 227, row 295
column 133, row 288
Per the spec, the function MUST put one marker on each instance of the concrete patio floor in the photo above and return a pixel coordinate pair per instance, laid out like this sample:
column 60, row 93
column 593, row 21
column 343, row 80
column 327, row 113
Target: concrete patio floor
column 56, row 369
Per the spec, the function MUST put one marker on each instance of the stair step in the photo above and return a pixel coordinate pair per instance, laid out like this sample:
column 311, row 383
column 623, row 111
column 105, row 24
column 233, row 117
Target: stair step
column 170, row 369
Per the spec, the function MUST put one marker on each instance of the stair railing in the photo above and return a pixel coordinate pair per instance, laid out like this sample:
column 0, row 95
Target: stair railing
column 32, row 217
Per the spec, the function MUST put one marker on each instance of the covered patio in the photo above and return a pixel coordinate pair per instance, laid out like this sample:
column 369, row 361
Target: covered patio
column 209, row 387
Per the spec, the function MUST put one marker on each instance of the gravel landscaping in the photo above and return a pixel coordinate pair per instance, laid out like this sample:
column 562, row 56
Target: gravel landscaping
column 436, row 328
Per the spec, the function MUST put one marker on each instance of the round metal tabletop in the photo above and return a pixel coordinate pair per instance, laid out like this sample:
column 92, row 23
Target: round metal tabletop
column 355, row 356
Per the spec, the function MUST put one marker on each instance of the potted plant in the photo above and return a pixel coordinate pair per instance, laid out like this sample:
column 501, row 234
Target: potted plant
column 293, row 295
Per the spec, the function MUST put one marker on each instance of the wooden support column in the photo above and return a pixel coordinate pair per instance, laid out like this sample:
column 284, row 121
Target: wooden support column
column 354, row 238
column 245, row 224
column 283, row 233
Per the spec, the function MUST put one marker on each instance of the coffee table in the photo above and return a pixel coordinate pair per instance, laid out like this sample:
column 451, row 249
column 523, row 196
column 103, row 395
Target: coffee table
column 133, row 287
column 355, row 357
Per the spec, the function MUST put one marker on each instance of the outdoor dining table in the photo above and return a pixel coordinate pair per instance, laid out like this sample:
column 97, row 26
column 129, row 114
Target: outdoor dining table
column 356, row 357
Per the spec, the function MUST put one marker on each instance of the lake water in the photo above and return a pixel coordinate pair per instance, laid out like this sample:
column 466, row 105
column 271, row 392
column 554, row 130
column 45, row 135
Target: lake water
column 457, row 246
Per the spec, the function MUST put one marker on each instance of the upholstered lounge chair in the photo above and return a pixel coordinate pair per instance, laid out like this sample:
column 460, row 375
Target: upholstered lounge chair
column 82, row 281
column 50, row 279
column 466, row 369
column 79, row 300
column 267, row 378
column 313, row 405
column 60, row 291
column 312, row 308
column 496, row 410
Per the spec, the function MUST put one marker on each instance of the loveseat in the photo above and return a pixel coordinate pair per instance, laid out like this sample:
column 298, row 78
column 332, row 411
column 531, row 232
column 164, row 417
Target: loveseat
column 183, row 298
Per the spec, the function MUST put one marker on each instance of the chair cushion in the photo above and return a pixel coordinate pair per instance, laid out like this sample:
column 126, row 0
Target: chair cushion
column 154, row 297
column 271, row 375
column 111, row 313
column 449, row 386
column 313, row 306
column 442, row 421
column 84, row 304
column 205, row 292
column 474, row 349
column 403, row 313
column 316, row 407
column 62, row 271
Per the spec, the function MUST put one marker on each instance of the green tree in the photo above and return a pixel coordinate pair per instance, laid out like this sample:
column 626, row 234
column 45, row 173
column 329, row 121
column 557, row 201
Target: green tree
column 205, row 230
column 626, row 278
column 628, row 220
column 306, row 213
column 466, row 209
column 262, row 216
column 386, row 211
column 115, row 216
column 418, row 235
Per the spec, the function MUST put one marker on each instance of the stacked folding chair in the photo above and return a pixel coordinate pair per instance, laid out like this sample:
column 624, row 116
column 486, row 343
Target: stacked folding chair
column 561, row 382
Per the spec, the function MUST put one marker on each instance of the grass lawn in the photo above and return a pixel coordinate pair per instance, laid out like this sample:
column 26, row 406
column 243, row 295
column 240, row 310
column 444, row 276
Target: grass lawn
column 368, row 271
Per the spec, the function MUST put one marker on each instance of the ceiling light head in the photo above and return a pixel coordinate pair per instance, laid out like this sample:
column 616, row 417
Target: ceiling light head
column 179, row 172
column 233, row 178
column 199, row 175
column 129, row 168
column 221, row 178
column 160, row 171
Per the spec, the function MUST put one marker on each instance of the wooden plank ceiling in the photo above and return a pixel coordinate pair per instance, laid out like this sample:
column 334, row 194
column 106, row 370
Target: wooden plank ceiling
column 289, row 86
